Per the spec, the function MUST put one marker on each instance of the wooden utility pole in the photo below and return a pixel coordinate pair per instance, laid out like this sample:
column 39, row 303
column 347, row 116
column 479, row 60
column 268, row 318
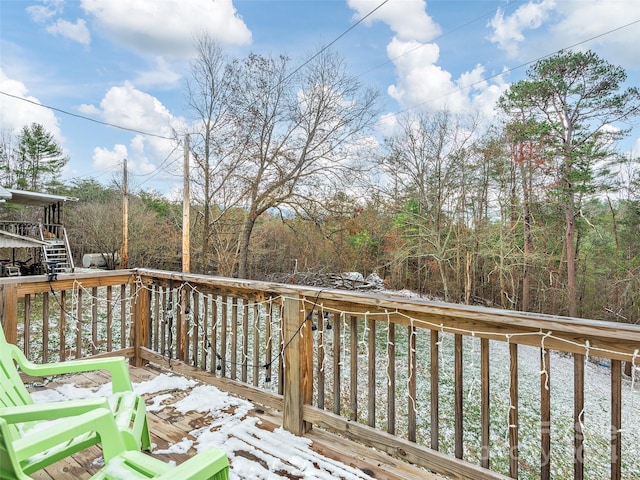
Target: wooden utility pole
column 186, row 259
column 183, row 347
column 125, row 218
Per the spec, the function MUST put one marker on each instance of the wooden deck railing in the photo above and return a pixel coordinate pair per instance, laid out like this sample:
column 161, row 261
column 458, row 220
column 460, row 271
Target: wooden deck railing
column 467, row 392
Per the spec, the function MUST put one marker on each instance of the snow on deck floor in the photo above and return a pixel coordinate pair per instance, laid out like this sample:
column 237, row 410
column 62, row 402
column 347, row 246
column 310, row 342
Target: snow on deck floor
column 223, row 422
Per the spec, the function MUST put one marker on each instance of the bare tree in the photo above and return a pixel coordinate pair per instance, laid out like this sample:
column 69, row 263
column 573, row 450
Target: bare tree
column 426, row 161
column 214, row 145
column 296, row 129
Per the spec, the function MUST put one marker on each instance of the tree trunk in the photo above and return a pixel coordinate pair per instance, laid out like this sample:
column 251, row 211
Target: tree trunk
column 243, row 261
column 570, row 247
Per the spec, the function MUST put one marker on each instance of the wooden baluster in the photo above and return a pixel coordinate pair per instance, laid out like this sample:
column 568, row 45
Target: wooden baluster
column 123, row 316
column 79, row 310
column 45, row 327
column 256, row 344
column 337, row 352
column 371, row 340
column 320, row 362
column 545, row 415
column 195, row 310
column 233, row 364
column 94, row 320
column 281, row 357
column 435, row 390
column 413, row 383
column 245, row 341
column 578, row 416
column 513, row 411
column 26, row 334
column 156, row 318
column 485, row 402
column 353, row 374
column 204, row 347
column 63, row 325
column 458, row 397
column 214, row 334
column 616, row 420
column 223, row 337
column 109, row 318
column 391, row 379
column 268, row 355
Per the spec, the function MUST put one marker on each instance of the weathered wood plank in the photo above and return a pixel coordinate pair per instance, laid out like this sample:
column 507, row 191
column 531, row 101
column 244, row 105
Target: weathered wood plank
column 412, row 386
column 397, row 447
column 578, row 416
column 391, row 379
column 458, row 398
column 616, row 420
column 545, row 415
column 435, row 389
column 372, row 367
column 353, row 367
column 513, row 410
column 485, row 403
column 337, row 363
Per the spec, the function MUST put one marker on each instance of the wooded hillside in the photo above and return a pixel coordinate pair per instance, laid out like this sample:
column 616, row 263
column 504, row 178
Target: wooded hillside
column 539, row 211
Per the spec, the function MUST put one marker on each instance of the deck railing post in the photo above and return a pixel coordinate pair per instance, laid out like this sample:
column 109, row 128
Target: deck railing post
column 9, row 311
column 141, row 322
column 298, row 364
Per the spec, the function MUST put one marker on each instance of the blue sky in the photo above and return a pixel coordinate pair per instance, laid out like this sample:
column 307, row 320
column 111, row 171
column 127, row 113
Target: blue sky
column 124, row 62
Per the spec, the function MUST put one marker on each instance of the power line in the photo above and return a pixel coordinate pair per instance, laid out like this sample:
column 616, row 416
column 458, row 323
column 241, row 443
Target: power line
column 513, row 68
column 421, row 45
column 323, row 49
column 84, row 117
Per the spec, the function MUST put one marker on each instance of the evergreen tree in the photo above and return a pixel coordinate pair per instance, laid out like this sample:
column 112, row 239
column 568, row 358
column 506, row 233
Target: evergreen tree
column 39, row 159
column 573, row 98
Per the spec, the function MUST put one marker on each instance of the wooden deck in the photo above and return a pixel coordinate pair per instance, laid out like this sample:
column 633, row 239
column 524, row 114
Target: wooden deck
column 331, row 456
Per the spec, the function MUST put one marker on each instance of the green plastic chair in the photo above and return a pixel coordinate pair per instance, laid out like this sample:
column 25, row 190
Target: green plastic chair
column 128, row 409
column 120, row 463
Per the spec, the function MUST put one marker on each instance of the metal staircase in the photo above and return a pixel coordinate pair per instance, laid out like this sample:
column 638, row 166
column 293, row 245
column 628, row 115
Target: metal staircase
column 57, row 254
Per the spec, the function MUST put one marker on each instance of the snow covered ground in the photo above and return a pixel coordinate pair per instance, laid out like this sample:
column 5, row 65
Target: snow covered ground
column 228, row 426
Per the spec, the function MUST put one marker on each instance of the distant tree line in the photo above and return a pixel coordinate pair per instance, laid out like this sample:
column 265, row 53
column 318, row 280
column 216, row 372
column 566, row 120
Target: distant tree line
column 538, row 212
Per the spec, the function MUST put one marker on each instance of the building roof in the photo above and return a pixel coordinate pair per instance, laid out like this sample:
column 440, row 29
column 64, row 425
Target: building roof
column 12, row 240
column 23, row 197
column 4, row 194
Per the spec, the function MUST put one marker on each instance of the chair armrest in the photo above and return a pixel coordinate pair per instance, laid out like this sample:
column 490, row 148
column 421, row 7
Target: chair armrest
column 116, row 366
column 52, row 410
column 203, row 466
column 99, row 421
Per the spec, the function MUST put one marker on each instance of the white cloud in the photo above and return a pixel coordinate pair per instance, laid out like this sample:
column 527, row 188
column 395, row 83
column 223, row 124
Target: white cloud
column 168, row 27
column 105, row 159
column 132, row 108
column 78, row 32
column 16, row 113
column 595, row 18
column 408, row 19
column 589, row 24
column 420, row 81
column 89, row 109
column 163, row 75
column 138, row 161
column 47, row 10
column 508, row 31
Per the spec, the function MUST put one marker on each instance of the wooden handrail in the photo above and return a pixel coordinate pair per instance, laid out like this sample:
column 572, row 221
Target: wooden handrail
column 337, row 359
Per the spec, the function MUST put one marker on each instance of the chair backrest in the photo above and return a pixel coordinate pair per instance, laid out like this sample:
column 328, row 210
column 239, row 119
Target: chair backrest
column 9, row 465
column 12, row 389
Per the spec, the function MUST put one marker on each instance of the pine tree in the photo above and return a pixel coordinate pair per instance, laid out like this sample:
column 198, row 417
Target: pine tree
column 39, row 160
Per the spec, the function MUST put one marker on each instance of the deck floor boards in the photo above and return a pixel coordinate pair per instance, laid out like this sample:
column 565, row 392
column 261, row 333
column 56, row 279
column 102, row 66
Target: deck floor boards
column 169, row 427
